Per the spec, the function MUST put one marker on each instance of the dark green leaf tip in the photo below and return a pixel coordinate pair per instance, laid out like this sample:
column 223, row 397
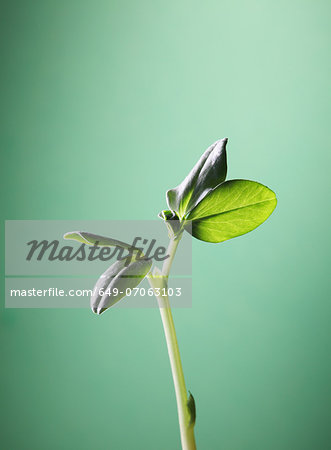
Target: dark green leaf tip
column 192, row 409
column 168, row 214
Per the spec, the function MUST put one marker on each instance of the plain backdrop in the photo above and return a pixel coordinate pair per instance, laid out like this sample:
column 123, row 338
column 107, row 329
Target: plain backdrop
column 104, row 106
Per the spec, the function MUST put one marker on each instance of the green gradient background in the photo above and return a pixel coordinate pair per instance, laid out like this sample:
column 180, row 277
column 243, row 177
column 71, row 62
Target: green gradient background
column 105, row 105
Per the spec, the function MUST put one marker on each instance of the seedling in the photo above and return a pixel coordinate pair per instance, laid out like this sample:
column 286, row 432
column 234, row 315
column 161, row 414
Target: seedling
column 212, row 210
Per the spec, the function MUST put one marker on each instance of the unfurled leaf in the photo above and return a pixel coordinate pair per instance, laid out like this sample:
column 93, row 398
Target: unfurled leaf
column 115, row 281
column 208, row 173
column 94, row 239
column 232, row 209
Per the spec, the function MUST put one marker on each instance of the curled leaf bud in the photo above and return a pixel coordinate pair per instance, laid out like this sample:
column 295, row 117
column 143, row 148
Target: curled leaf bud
column 172, row 222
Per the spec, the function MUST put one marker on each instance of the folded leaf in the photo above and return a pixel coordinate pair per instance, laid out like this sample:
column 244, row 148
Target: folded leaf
column 104, row 281
column 208, row 172
column 126, row 278
column 92, row 239
column 231, row 209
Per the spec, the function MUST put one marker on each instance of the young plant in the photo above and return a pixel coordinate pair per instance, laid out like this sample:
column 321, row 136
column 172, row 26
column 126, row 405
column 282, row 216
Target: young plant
column 212, row 210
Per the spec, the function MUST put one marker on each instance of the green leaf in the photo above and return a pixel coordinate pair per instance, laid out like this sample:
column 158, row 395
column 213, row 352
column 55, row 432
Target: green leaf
column 208, row 172
column 115, row 281
column 93, row 239
column 232, row 209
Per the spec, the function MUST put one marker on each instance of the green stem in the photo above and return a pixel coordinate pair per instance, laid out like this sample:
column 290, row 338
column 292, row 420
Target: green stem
column 186, row 428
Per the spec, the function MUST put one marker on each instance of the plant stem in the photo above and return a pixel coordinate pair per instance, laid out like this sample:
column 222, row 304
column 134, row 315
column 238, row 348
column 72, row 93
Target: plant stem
column 186, row 428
